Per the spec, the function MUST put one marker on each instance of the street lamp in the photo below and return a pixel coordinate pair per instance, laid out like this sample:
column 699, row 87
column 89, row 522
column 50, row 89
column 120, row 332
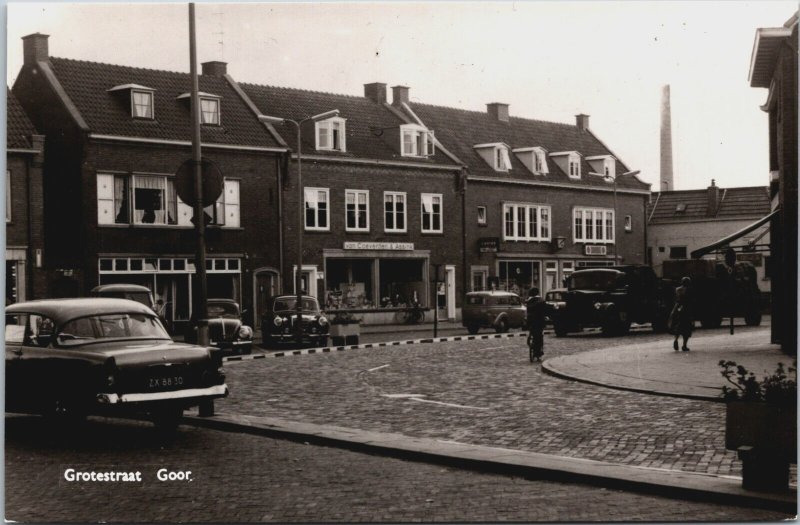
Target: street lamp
column 298, row 329
column 614, row 180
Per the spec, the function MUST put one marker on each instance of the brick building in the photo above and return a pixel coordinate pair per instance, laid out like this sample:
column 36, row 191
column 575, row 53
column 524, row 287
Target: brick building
column 380, row 200
column 542, row 199
column 773, row 66
column 119, row 135
column 682, row 222
column 25, row 278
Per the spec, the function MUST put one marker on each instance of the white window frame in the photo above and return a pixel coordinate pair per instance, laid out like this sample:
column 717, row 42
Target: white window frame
column 574, row 166
column 482, row 216
column 543, row 223
column 328, row 126
column 432, row 197
column 230, row 204
column 151, row 106
column 316, row 227
column 355, row 194
column 420, row 141
column 588, row 223
column 217, row 113
column 502, row 159
column 168, row 196
column 394, row 195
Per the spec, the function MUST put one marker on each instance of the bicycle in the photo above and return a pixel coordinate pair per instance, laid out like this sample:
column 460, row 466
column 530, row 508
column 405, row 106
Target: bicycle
column 535, row 351
column 412, row 315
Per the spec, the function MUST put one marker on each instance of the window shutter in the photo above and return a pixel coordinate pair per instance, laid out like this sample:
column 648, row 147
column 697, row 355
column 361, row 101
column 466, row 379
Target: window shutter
column 105, row 199
column 231, row 200
column 185, row 213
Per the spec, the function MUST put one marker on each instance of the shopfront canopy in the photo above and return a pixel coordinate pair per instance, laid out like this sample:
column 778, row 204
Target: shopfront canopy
column 696, row 254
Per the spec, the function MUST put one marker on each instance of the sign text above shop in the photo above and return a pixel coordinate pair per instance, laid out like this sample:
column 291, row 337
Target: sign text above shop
column 379, row 246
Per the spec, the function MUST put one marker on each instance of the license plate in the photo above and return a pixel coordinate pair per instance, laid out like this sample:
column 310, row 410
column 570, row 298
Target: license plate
column 165, row 382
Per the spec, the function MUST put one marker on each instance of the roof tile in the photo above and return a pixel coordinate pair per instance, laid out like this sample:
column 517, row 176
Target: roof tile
column 19, row 125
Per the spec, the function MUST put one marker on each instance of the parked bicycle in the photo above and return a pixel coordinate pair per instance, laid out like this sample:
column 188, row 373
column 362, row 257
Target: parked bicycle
column 414, row 314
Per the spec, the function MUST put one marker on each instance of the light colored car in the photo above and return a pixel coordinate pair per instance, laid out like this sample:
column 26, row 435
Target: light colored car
column 492, row 309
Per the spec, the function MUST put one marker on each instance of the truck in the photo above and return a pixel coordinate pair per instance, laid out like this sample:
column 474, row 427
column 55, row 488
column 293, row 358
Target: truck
column 612, row 298
column 718, row 289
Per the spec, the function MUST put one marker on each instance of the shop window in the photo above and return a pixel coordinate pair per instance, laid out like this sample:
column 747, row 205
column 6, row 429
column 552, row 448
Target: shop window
column 356, row 210
column 519, row 276
column 209, row 111
column 394, row 210
column 550, row 275
column 677, row 252
column 401, row 282
column 331, row 134
column 350, row 283
column 431, row 213
column 316, row 206
column 593, row 225
column 567, row 267
column 482, row 215
column 526, row 222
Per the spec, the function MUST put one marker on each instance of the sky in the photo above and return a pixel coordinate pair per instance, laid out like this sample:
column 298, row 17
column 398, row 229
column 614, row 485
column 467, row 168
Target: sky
column 548, row 60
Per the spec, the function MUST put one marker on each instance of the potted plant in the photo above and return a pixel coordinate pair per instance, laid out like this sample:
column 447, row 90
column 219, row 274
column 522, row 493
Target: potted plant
column 345, row 328
column 761, row 423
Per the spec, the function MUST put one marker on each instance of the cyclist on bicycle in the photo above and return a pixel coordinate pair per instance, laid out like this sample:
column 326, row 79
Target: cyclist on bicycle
column 536, row 320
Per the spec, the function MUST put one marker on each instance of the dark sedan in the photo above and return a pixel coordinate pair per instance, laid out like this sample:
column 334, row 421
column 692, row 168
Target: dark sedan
column 226, row 330
column 280, row 318
column 103, row 356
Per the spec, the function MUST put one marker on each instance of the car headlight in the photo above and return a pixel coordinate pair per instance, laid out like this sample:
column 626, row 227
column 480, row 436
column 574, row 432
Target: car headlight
column 278, row 321
column 322, row 320
column 597, row 306
column 245, row 332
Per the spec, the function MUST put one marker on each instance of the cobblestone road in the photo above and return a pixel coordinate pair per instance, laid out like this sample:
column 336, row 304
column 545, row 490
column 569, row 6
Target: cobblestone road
column 486, row 392
column 242, row 478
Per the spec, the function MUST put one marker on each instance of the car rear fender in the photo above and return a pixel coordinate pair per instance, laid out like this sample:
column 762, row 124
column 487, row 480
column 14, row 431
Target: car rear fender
column 502, row 316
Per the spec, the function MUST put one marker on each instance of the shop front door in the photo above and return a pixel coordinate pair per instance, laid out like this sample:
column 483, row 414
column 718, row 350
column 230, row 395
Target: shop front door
column 266, row 286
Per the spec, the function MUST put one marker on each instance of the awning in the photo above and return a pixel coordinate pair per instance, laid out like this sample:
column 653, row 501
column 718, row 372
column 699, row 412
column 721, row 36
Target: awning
column 696, row 254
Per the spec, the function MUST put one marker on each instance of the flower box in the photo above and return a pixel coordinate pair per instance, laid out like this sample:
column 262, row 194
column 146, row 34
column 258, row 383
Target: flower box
column 762, row 426
column 345, row 329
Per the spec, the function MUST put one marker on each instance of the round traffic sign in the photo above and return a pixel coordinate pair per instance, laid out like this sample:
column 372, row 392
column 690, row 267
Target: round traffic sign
column 211, row 187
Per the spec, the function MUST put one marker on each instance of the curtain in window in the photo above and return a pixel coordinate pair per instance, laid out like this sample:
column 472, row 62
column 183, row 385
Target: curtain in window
column 172, row 204
column 120, row 200
column 506, row 159
column 149, row 199
column 210, row 111
column 142, row 105
column 545, row 233
column 324, row 135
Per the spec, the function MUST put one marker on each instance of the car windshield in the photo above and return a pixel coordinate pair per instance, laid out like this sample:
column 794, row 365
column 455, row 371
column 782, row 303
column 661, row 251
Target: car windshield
column 228, row 310
column 110, row 326
column 604, row 280
column 139, row 297
column 288, row 303
column 475, row 299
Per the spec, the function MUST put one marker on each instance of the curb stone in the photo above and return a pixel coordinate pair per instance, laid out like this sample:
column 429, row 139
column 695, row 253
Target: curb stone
column 532, row 465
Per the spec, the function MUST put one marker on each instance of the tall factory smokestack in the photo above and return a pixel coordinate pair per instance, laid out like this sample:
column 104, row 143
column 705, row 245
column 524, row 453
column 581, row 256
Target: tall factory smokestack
column 667, row 183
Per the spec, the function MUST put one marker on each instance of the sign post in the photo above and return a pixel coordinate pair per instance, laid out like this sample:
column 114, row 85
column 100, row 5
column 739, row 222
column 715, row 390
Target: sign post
column 436, row 300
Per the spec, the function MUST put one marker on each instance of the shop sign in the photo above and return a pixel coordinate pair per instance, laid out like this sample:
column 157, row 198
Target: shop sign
column 489, row 245
column 753, row 258
column 395, row 246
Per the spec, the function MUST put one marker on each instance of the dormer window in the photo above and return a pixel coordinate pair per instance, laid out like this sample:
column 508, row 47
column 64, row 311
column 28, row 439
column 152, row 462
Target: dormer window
column 416, row 141
column 209, row 107
column 569, row 162
column 209, row 111
column 604, row 166
column 141, row 99
column 535, row 159
column 330, row 134
column 496, row 155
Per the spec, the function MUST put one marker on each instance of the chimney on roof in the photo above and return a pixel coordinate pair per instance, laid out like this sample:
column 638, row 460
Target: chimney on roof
column 399, row 95
column 215, row 68
column 713, row 199
column 498, row 111
column 34, row 48
column 582, row 121
column 376, row 92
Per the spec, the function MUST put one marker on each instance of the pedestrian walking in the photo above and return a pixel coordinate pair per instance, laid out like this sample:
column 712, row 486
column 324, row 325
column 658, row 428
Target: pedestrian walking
column 681, row 321
column 536, row 319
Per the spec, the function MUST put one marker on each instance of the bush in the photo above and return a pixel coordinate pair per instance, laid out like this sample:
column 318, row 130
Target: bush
column 777, row 388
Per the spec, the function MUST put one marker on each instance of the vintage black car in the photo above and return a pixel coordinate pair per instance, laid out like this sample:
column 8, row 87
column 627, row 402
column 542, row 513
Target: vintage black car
column 280, row 317
column 225, row 328
column 103, row 356
column 612, row 298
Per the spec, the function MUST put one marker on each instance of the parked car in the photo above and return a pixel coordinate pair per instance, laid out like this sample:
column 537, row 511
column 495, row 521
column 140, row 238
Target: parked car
column 492, row 309
column 280, row 317
column 103, row 356
column 226, row 330
column 134, row 292
column 555, row 300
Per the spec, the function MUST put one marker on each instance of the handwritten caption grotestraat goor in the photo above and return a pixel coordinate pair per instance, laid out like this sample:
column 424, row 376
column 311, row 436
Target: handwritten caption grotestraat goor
column 117, row 476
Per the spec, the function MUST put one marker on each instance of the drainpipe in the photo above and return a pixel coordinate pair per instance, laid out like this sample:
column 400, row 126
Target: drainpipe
column 279, row 164
column 464, row 271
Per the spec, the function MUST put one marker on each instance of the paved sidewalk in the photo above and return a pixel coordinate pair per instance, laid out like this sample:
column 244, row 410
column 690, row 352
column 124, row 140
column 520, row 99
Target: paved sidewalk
column 655, row 368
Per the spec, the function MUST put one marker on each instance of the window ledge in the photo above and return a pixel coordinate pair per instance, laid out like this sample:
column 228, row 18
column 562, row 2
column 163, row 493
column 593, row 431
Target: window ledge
column 441, row 233
column 396, row 232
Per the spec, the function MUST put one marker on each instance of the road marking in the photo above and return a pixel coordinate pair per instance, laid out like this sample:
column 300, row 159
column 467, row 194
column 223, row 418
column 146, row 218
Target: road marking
column 377, row 368
column 421, row 399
